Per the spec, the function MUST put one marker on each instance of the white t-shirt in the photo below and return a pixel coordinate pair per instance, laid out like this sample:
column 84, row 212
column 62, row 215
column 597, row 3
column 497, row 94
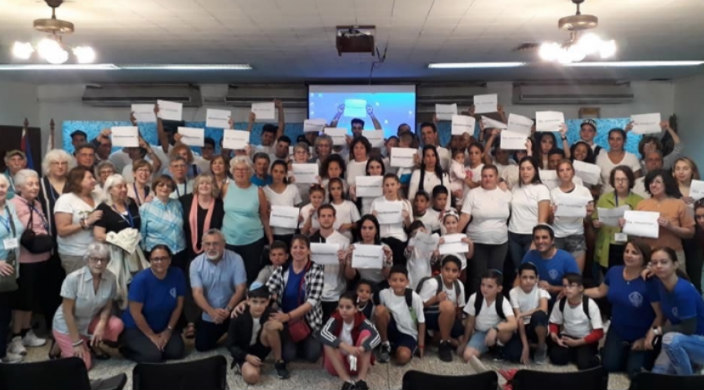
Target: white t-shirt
column 568, row 226
column 355, row 169
column 604, row 162
column 457, row 175
column 524, row 207
column 256, row 326
column 526, row 302
column 290, row 197
column 431, row 220
column 490, row 210
column 305, row 212
column 488, row 317
column 345, row 212
column 430, row 289
column 75, row 244
column 182, row 189
column 430, row 180
column 346, row 333
column 401, row 313
column 444, row 156
column 334, row 282
column 574, row 321
column 395, row 230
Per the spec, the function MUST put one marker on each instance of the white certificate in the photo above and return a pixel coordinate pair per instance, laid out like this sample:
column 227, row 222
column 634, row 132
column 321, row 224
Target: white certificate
column 235, row 139
column 388, row 213
column 549, row 178
column 355, row 108
column 264, row 111
column 192, row 136
column 403, row 157
column 305, row 173
column 571, row 206
column 369, row 186
column 172, row 111
column 486, row 103
column 219, row 119
column 125, row 136
column 646, row 123
column 493, row 124
column 314, row 125
column 375, row 137
column 548, row 120
column 144, row 112
column 463, row 124
column 610, row 217
column 444, row 112
column 338, row 135
column 696, row 189
column 284, row 216
column 453, row 244
column 367, row 256
column 424, row 243
column 641, row 223
column 589, row 173
column 519, row 124
column 324, row 253
column 513, row 141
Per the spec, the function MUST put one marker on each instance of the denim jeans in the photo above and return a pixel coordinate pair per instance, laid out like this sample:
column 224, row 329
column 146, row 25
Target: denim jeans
column 682, row 351
column 617, row 356
column 518, row 245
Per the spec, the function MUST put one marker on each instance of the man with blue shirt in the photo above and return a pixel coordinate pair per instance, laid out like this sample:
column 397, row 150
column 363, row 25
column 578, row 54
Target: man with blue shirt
column 552, row 263
column 218, row 280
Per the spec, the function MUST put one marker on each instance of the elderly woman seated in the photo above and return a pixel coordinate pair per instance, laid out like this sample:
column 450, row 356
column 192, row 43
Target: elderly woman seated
column 84, row 316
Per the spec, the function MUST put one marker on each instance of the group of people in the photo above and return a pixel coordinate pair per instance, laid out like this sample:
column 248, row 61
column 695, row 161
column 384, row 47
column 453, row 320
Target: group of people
column 142, row 247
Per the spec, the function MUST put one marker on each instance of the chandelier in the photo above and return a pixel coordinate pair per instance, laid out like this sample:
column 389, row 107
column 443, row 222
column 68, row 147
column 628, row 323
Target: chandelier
column 580, row 44
column 52, row 48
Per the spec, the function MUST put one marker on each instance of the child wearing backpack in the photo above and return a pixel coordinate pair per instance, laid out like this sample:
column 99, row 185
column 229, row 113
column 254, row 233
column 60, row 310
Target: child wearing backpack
column 491, row 322
column 575, row 326
column 530, row 305
column 443, row 297
column 399, row 318
column 348, row 339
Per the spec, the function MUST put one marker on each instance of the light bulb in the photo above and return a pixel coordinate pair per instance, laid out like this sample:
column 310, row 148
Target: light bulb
column 57, row 57
column 576, row 53
column 607, row 49
column 22, row 50
column 84, row 54
column 590, row 43
column 51, row 51
column 549, row 51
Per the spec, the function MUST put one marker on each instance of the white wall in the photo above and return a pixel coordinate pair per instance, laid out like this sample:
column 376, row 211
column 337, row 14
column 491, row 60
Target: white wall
column 689, row 103
column 18, row 101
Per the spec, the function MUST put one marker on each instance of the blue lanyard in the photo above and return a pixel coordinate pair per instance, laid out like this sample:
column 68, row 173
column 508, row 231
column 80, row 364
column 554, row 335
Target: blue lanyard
column 5, row 223
column 129, row 218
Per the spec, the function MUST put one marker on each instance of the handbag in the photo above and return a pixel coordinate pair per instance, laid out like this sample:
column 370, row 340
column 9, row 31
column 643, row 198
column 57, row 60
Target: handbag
column 9, row 282
column 298, row 329
column 33, row 242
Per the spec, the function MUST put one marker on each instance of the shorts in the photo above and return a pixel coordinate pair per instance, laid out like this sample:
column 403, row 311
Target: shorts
column 477, row 342
column 431, row 323
column 399, row 339
column 572, row 244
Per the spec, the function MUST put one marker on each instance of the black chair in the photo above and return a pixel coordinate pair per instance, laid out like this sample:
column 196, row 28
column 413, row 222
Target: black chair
column 418, row 380
column 205, row 374
column 650, row 381
column 593, row 379
column 67, row 373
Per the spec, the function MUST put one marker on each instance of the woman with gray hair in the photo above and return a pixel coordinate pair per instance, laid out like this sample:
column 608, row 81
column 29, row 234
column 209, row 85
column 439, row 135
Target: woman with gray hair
column 246, row 223
column 10, row 232
column 84, row 316
column 55, row 167
column 34, row 271
column 119, row 211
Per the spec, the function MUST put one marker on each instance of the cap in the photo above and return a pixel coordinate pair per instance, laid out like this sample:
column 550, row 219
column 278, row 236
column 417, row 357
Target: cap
column 15, row 152
column 258, row 290
column 79, row 132
column 589, row 122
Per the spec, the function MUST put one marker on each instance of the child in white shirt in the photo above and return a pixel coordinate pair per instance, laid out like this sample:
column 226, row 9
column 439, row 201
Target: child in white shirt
column 530, row 305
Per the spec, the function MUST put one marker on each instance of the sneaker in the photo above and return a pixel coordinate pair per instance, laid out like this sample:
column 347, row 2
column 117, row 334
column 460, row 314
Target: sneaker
column 31, row 340
column 11, row 358
column 348, row 386
column 384, row 353
column 16, row 347
column 361, row 385
column 541, row 355
column 281, row 370
column 445, row 351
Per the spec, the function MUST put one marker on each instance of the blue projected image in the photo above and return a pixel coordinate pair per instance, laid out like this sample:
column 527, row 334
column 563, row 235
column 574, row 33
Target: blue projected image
column 390, row 105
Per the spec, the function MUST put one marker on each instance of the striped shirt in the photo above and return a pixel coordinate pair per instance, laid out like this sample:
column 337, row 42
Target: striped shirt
column 162, row 224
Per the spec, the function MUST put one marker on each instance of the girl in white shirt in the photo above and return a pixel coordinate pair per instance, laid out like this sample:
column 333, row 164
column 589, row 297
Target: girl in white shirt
column 375, row 167
column 309, row 216
column 346, row 213
column 280, row 193
column 429, row 174
column 394, row 233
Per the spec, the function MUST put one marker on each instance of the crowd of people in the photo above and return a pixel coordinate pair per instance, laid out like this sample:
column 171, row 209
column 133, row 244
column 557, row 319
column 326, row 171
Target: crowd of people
column 141, row 248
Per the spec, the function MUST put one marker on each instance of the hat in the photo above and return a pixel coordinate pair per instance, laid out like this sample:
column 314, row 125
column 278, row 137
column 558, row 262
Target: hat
column 79, row 132
column 589, row 122
column 15, row 152
column 258, row 290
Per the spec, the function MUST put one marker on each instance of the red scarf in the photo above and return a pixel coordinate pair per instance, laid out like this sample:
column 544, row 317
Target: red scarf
column 193, row 221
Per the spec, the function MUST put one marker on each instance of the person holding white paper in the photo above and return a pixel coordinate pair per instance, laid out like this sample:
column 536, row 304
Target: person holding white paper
column 429, row 174
column 369, row 235
column 359, row 155
column 394, row 234
column 545, row 142
column 184, row 151
column 429, row 136
column 309, row 212
column 357, row 124
column 569, row 231
column 676, row 222
column 269, row 132
column 488, row 208
column 280, row 193
column 530, row 205
column 375, row 167
column 609, row 244
column 452, row 228
column 346, row 212
column 616, row 156
column 334, row 281
column 334, row 166
column 651, row 143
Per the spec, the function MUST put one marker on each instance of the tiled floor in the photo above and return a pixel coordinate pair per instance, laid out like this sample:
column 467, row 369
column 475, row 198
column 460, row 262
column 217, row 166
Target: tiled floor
column 314, row 377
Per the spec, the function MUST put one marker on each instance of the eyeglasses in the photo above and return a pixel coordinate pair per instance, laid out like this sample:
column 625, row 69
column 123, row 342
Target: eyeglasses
column 159, row 259
column 98, row 260
column 621, row 179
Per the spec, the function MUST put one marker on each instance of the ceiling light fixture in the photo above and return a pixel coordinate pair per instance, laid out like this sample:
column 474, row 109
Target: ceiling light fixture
column 187, row 67
column 52, row 48
column 633, row 64
column 474, row 65
column 23, row 67
column 579, row 45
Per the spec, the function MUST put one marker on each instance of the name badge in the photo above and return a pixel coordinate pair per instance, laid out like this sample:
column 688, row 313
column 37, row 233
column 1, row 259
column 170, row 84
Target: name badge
column 10, row 243
column 620, row 237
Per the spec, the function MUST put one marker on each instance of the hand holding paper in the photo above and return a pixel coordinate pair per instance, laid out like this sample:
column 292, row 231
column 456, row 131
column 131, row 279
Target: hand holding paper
column 642, row 223
column 367, row 256
column 646, row 123
column 192, row 136
column 218, row 119
column 170, row 110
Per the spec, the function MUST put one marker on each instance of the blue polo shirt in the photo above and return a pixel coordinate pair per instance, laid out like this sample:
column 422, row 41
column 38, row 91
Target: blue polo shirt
column 159, row 297
column 218, row 280
column 632, row 314
column 553, row 269
column 683, row 303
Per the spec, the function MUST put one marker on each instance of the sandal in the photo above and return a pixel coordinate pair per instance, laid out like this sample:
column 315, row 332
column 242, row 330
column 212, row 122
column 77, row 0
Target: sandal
column 190, row 331
column 99, row 354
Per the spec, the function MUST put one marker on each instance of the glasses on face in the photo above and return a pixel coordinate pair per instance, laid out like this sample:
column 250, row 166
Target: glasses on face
column 98, row 260
column 210, row 243
column 621, row 179
column 160, row 259
column 240, row 169
column 59, row 163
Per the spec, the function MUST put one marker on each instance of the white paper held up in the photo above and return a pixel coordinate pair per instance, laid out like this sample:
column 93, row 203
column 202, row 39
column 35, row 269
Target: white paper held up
column 646, row 123
column 548, row 120
column 125, row 136
column 324, row 253
column 513, row 141
column 367, row 256
column 192, row 136
column 284, row 216
column 389, row 212
column 314, row 125
column 218, row 119
column 172, row 111
column 641, row 223
column 144, row 113
column 453, row 244
column 463, row 124
column 589, row 173
column 519, row 124
column 444, row 112
column 369, row 186
column 235, row 139
column 375, row 137
column 265, row 111
column 492, row 123
column 610, row 217
column 696, row 189
column 338, row 135
column 484, row 104
column 403, row 157
column 569, row 206
column 305, row 173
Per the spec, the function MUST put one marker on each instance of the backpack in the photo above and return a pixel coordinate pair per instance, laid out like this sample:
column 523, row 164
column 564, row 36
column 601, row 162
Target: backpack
column 438, row 278
column 585, row 305
column 408, row 294
column 498, row 304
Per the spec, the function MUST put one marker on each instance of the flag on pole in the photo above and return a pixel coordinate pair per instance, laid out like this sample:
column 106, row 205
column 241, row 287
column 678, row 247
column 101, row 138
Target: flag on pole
column 24, row 146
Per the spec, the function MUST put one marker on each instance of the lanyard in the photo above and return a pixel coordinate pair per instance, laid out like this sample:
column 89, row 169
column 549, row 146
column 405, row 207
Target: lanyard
column 616, row 198
column 185, row 189
column 129, row 218
column 146, row 193
column 52, row 192
column 8, row 223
